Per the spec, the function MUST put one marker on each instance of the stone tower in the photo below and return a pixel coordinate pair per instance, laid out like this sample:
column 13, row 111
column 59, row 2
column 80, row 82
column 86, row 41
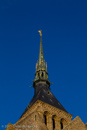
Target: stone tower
column 45, row 112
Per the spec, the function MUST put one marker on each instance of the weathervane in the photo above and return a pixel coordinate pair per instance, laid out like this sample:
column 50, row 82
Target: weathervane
column 40, row 32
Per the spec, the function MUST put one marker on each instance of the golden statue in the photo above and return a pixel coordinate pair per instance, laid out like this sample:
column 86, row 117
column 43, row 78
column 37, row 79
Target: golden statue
column 40, row 32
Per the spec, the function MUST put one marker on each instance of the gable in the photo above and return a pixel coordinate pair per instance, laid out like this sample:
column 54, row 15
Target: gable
column 76, row 124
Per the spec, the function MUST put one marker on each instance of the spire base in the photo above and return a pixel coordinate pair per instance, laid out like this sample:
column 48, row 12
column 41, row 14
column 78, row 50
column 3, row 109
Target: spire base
column 41, row 80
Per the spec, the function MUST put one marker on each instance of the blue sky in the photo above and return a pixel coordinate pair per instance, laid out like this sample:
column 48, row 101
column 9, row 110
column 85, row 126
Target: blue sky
column 64, row 28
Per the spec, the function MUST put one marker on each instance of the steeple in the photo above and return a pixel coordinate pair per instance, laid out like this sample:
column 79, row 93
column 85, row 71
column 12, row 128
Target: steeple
column 41, row 73
column 41, row 84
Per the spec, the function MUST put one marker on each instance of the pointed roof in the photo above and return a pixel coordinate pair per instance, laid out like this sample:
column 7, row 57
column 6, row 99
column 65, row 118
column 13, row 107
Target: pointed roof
column 45, row 95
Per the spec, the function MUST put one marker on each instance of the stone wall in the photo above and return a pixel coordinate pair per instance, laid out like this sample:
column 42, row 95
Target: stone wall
column 42, row 116
column 76, row 124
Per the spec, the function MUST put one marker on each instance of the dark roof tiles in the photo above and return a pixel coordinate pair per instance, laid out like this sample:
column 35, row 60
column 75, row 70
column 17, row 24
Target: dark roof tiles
column 45, row 95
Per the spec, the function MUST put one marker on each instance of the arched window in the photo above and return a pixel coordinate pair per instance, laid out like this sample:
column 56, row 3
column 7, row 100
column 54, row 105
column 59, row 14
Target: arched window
column 61, row 123
column 45, row 119
column 53, row 123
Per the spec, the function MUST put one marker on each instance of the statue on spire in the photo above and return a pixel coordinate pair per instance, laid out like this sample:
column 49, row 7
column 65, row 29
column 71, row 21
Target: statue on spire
column 40, row 32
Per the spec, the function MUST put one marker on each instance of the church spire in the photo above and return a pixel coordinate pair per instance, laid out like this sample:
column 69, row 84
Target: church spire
column 41, row 67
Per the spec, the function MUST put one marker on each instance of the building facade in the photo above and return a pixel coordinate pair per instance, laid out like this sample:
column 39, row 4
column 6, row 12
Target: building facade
column 45, row 112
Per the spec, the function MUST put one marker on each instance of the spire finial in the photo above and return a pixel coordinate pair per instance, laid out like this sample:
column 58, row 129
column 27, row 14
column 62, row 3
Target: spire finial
column 40, row 32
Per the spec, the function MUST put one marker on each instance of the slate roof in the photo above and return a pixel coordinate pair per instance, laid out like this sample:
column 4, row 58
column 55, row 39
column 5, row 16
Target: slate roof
column 45, row 95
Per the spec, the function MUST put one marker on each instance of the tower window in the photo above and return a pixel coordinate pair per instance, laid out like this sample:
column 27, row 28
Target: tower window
column 61, row 124
column 42, row 74
column 53, row 124
column 45, row 119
